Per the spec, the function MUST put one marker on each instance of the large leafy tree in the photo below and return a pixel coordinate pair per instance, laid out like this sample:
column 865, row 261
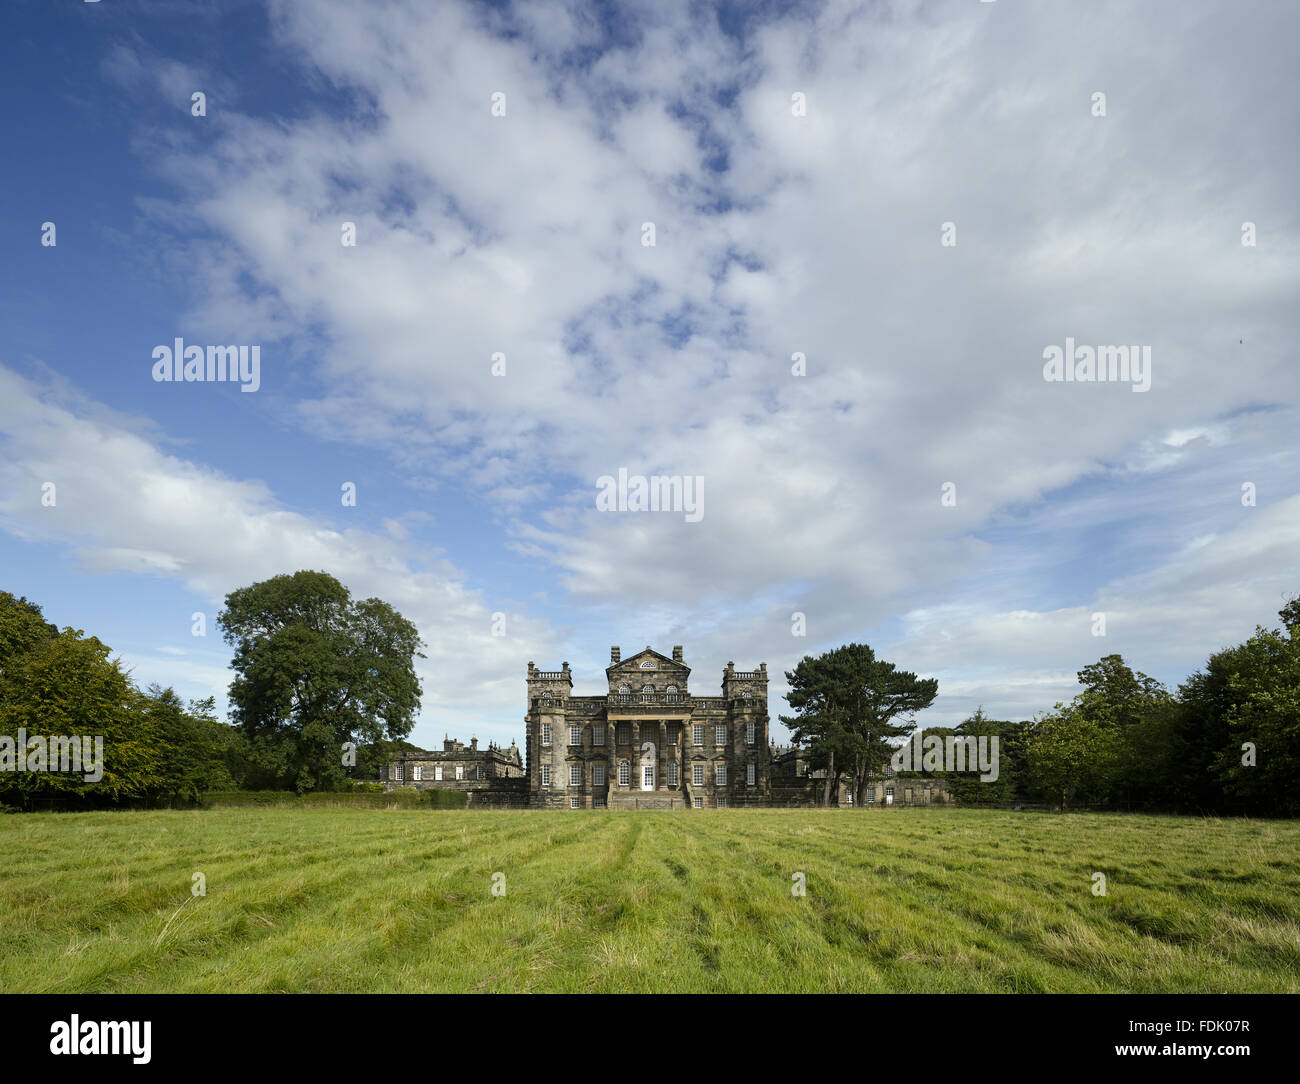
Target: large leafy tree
column 850, row 707
column 1263, row 709
column 68, row 686
column 316, row 669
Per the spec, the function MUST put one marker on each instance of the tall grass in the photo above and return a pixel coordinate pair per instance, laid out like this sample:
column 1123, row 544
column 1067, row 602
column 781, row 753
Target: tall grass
column 323, row 899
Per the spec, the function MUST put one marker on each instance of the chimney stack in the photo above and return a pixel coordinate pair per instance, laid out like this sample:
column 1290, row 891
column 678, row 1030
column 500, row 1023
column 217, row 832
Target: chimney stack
column 473, row 742
column 615, row 654
column 677, row 653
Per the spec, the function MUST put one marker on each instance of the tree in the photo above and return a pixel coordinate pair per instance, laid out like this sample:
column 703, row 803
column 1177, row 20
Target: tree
column 1264, row 711
column 22, row 627
column 967, row 787
column 1069, row 754
column 67, row 686
column 847, row 700
column 316, row 669
column 191, row 744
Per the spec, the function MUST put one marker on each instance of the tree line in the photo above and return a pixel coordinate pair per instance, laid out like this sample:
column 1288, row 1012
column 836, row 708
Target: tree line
column 324, row 693
column 1226, row 741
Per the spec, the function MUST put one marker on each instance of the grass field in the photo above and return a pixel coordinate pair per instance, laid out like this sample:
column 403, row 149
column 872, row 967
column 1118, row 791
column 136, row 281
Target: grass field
column 900, row 900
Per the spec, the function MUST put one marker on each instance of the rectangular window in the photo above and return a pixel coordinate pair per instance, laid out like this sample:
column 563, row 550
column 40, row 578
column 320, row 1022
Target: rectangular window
column 697, row 774
column 869, row 798
column 598, row 734
column 397, row 773
column 698, row 733
column 749, row 775
column 699, row 803
column 546, row 733
column 417, row 773
column 647, row 777
column 722, row 802
column 575, row 775
column 598, row 803
column 624, row 773
column 672, row 773
column 460, row 771
column 598, row 775
column 720, row 774
column 546, row 775
column 750, row 733
column 437, row 772
column 575, row 803
column 672, row 734
column 719, row 735
column 889, row 796
column 624, row 734
column 575, row 735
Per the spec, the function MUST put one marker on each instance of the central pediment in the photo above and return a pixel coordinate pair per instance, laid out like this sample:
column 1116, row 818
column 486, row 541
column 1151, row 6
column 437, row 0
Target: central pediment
column 647, row 661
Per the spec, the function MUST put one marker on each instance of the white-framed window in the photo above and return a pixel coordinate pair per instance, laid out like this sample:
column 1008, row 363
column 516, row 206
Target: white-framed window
column 598, row 802
column 722, row 802
column 889, row 796
column 437, row 772
column 751, row 733
column 624, row 733
column 624, row 773
column 546, row 733
column 575, row 775
column 575, row 803
column 719, row 734
column 848, row 797
column 672, row 773
column 699, row 803
column 649, row 664
column 546, row 775
column 869, row 798
column 417, row 773
column 671, row 692
column 697, row 733
column 397, row 772
column 697, row 774
column 750, row 775
column 598, row 734
column 460, row 771
column 598, row 775
column 575, row 735
column 748, row 695
column 720, row 774
column 625, row 690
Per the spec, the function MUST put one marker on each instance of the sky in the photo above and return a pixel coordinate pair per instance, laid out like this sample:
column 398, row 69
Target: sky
column 871, row 223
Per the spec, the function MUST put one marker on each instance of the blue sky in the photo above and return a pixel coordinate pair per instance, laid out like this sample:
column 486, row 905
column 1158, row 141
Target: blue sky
column 776, row 231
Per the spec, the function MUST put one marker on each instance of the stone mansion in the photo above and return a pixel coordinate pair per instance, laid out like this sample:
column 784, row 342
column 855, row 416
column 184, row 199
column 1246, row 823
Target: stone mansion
column 647, row 743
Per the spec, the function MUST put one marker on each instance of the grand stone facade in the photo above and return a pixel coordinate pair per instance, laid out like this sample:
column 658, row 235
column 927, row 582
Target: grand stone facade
column 648, row 742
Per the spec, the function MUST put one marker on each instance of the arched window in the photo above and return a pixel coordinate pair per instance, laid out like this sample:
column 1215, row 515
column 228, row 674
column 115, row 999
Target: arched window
column 649, row 664
column 647, row 693
column 671, row 692
column 625, row 690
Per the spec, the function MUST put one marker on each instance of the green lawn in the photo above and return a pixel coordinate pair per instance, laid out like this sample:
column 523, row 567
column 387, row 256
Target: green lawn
column 898, row 900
